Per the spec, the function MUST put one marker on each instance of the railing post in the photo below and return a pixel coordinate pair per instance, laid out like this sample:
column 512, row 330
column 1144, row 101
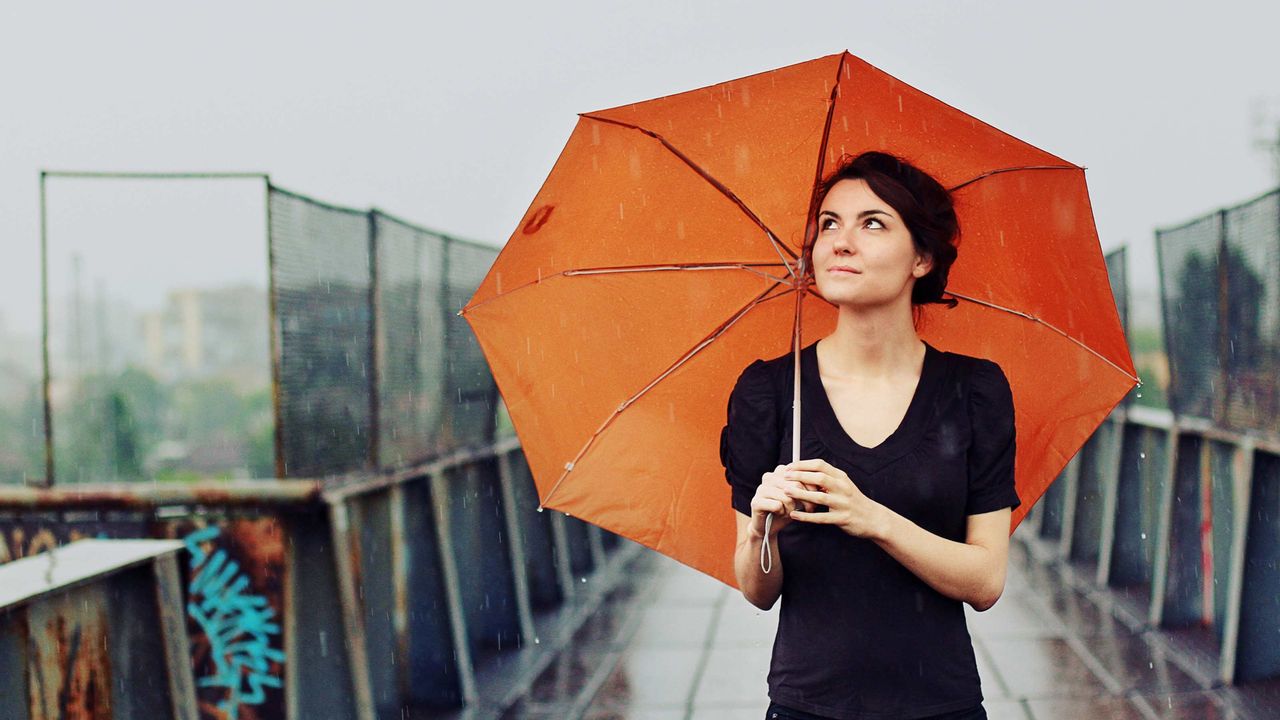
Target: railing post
column 1109, row 472
column 1070, row 489
column 564, row 558
column 173, row 630
column 439, row 486
column 1241, row 477
column 1164, row 529
column 515, row 534
column 345, row 554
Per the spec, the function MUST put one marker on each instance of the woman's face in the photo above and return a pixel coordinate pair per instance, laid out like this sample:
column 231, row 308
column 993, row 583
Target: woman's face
column 863, row 255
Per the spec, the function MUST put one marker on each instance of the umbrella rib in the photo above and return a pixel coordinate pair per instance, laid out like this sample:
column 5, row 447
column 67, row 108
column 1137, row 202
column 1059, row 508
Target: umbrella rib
column 1000, row 171
column 768, row 294
column 749, row 267
column 778, row 246
column 1049, row 325
column 822, row 150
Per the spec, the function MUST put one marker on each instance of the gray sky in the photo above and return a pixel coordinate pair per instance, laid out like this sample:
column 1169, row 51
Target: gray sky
column 451, row 114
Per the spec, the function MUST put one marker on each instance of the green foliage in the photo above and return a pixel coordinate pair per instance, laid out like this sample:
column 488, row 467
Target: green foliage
column 112, row 427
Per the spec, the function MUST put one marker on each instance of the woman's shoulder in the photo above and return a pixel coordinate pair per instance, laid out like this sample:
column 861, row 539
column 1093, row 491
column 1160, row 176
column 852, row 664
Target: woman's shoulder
column 971, row 365
column 981, row 377
column 775, row 372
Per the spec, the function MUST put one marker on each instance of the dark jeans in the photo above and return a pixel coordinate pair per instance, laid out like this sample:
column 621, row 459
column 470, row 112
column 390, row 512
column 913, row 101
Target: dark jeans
column 778, row 712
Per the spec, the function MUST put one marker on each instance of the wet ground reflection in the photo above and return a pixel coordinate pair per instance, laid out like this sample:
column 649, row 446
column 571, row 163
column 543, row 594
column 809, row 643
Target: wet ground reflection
column 671, row 644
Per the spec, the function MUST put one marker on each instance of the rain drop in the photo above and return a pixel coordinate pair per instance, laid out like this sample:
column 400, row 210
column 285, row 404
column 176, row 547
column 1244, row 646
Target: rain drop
column 1142, row 456
column 1144, row 536
column 584, row 579
column 539, row 509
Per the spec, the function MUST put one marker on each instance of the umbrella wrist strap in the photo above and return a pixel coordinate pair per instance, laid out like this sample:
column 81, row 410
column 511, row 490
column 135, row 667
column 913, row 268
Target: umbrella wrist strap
column 766, row 554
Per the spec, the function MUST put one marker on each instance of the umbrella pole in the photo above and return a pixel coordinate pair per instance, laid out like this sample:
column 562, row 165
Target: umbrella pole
column 766, row 555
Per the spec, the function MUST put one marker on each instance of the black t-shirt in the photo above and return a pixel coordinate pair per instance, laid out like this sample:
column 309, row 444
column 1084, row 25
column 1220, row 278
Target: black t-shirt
column 859, row 636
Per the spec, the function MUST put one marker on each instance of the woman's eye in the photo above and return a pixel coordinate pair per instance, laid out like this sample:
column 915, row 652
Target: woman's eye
column 874, row 224
column 827, row 223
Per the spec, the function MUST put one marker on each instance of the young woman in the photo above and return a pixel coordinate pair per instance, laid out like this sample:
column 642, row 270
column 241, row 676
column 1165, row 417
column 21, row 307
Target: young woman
column 899, row 513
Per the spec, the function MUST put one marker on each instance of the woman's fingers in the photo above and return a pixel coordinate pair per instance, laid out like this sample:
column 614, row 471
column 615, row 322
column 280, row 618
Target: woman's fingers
column 800, row 491
column 773, row 500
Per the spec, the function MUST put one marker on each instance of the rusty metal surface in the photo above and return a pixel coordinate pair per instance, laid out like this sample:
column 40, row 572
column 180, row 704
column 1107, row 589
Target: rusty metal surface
column 231, row 590
column 146, row 496
column 68, row 663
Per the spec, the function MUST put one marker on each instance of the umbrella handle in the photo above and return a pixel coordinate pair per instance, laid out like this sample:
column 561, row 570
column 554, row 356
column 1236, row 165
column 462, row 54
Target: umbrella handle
column 765, row 552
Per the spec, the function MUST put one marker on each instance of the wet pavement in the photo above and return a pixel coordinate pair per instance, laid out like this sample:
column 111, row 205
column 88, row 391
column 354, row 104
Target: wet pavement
column 671, row 644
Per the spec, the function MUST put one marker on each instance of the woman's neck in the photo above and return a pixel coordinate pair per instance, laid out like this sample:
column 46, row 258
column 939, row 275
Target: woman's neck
column 875, row 343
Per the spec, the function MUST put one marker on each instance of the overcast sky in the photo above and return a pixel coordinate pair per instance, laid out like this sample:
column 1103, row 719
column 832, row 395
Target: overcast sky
column 451, row 114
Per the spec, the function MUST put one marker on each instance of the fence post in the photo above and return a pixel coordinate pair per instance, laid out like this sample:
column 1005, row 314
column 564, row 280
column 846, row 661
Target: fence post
column 1241, row 482
column 1164, row 529
column 564, row 558
column 519, row 562
column 439, row 493
column 1070, row 485
column 1109, row 485
column 344, row 557
column 173, row 630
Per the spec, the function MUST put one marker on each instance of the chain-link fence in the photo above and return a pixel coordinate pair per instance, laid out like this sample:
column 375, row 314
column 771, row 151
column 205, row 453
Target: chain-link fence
column 1220, row 288
column 176, row 353
column 376, row 369
column 1117, row 274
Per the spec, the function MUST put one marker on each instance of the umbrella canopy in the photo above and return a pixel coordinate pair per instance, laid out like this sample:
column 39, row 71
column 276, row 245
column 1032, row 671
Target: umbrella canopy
column 660, row 258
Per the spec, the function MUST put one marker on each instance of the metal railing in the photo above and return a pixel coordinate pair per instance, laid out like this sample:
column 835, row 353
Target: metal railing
column 1180, row 519
column 437, row 587
column 78, row 633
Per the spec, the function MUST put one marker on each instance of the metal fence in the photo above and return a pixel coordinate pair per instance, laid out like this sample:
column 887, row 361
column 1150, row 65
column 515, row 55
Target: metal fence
column 347, row 356
column 1178, row 519
column 411, row 594
column 1220, row 291
column 374, row 369
column 1118, row 275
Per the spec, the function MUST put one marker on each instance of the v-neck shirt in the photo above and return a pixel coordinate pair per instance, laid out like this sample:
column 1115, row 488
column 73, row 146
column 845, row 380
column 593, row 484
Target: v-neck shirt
column 816, row 401
column 859, row 636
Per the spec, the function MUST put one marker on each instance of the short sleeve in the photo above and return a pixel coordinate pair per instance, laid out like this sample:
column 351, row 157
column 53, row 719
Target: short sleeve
column 749, row 440
column 991, row 453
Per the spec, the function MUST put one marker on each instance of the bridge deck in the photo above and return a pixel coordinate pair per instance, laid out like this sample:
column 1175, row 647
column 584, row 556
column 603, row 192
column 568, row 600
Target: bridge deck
column 671, row 644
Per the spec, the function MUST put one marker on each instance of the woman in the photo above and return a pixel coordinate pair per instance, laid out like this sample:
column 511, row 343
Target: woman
column 899, row 513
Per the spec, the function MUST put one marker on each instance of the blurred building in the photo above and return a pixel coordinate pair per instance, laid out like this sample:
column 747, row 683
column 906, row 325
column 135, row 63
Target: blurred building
column 203, row 332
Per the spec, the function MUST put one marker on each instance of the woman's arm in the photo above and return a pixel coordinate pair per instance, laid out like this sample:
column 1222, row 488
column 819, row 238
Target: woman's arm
column 972, row 571
column 760, row 589
column 772, row 498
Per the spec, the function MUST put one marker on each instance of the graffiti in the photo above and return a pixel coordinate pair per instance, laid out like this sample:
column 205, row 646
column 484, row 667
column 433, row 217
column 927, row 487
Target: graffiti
column 19, row 541
column 237, row 623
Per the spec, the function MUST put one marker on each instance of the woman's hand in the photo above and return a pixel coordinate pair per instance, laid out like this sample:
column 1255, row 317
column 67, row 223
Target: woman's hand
column 829, row 486
column 772, row 498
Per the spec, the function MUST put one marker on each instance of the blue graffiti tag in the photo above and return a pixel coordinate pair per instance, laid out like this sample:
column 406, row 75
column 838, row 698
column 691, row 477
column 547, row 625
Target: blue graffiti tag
column 237, row 623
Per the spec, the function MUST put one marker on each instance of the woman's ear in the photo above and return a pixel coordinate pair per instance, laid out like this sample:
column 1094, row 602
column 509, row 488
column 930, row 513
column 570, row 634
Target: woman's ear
column 923, row 265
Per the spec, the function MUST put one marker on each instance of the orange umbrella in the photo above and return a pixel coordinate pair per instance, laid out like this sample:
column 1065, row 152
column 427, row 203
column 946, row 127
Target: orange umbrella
column 660, row 258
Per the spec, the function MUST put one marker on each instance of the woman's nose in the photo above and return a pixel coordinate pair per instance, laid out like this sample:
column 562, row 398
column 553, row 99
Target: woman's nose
column 842, row 244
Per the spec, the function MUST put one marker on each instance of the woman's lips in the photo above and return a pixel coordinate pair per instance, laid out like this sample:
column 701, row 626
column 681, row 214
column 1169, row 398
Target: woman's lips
column 843, row 269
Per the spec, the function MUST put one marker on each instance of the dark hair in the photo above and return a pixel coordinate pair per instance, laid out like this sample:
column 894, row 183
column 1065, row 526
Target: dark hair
column 923, row 204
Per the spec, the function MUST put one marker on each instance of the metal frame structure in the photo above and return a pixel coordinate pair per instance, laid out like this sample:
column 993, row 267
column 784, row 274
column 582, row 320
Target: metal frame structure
column 383, row 573
column 1183, row 518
